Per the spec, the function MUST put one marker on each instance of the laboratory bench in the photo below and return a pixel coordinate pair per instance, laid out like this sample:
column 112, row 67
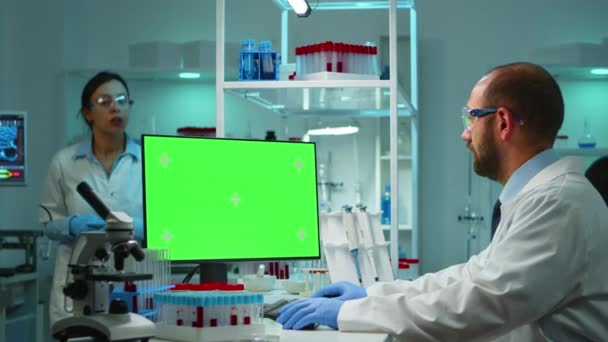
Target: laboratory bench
column 275, row 332
column 20, row 308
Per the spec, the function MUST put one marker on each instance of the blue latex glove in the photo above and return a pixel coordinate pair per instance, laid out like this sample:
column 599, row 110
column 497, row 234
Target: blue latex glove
column 138, row 228
column 85, row 223
column 301, row 313
column 58, row 230
column 342, row 290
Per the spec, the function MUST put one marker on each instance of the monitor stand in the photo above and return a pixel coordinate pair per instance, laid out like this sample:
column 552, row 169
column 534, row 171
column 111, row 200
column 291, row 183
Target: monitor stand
column 213, row 272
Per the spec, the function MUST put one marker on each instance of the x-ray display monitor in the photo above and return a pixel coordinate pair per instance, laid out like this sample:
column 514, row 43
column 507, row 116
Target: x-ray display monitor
column 12, row 148
column 208, row 199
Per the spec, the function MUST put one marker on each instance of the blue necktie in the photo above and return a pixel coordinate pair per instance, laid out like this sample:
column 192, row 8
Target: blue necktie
column 495, row 217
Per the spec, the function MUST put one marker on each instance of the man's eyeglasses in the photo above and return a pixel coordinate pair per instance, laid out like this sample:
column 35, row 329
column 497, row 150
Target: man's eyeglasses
column 469, row 113
column 122, row 101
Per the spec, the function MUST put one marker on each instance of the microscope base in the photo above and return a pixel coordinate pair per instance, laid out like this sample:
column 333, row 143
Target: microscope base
column 105, row 327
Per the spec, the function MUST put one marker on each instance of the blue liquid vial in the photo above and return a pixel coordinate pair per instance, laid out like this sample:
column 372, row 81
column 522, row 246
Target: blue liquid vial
column 248, row 68
column 586, row 140
column 385, row 206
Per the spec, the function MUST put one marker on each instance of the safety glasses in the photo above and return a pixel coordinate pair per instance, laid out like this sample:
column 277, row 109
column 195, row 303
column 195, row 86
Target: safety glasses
column 468, row 114
column 121, row 101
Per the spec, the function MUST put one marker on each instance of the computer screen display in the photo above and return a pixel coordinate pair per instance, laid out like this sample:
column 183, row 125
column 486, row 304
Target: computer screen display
column 208, row 199
column 12, row 148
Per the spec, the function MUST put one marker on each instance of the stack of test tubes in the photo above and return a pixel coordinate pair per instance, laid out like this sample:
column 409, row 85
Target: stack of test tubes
column 278, row 269
column 315, row 279
column 337, row 57
column 210, row 309
column 281, row 269
column 139, row 295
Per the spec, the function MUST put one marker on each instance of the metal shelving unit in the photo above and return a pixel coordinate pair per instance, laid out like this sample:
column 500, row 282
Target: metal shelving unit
column 369, row 98
column 26, row 310
column 586, row 152
column 402, row 227
column 384, row 97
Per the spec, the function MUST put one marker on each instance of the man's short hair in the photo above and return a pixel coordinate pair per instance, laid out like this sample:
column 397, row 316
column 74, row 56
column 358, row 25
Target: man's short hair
column 530, row 92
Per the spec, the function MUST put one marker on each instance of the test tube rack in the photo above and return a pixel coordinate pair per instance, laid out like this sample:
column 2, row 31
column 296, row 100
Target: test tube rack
column 193, row 316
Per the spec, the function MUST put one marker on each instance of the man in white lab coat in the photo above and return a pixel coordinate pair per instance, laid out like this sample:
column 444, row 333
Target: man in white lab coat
column 544, row 277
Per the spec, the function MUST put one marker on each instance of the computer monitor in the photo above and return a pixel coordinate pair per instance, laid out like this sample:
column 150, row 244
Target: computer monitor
column 12, row 148
column 212, row 200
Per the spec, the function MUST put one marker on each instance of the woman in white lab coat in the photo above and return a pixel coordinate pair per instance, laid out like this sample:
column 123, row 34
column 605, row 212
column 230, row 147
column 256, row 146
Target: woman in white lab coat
column 109, row 161
column 544, row 275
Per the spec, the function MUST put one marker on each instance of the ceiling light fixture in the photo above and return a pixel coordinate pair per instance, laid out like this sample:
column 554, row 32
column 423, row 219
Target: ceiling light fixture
column 300, row 7
column 334, row 130
column 189, row 75
column 599, row 71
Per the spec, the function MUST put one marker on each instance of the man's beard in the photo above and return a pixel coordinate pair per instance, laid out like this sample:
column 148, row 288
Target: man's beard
column 486, row 158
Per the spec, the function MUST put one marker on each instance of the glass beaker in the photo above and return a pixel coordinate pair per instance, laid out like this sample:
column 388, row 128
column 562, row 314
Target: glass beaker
column 586, row 140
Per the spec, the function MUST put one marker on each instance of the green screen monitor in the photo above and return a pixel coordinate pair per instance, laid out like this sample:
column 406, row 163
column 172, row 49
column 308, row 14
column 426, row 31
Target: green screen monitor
column 221, row 200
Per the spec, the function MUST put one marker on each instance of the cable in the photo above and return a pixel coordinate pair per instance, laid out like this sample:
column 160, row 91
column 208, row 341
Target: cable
column 190, row 274
column 50, row 244
column 48, row 212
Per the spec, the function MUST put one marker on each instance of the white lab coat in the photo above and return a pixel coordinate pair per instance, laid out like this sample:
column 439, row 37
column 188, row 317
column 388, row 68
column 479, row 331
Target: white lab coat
column 544, row 277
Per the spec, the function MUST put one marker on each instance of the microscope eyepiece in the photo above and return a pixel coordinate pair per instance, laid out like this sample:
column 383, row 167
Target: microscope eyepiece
column 138, row 253
column 122, row 251
column 84, row 189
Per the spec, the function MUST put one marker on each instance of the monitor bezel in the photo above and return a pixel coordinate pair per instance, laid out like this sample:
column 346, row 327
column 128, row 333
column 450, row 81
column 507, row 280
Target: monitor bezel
column 25, row 153
column 203, row 261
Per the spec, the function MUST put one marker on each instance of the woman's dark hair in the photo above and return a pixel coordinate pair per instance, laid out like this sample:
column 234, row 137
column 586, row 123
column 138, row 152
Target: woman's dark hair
column 597, row 174
column 94, row 83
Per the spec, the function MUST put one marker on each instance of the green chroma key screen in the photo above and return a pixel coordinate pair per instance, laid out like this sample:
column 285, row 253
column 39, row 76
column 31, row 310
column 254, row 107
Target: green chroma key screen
column 226, row 199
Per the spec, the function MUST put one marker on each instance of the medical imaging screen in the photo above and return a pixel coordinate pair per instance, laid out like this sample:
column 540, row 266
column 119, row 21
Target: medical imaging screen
column 228, row 199
column 12, row 148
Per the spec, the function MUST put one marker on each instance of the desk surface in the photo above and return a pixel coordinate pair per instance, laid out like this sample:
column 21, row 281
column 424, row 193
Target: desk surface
column 275, row 332
column 18, row 278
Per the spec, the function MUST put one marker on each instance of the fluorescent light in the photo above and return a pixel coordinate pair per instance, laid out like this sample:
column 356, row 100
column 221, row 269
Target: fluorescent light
column 300, row 7
column 599, row 71
column 189, row 75
column 333, row 130
column 351, row 5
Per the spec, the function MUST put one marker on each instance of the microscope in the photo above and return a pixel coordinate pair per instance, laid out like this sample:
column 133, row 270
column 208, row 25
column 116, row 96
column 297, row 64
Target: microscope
column 93, row 316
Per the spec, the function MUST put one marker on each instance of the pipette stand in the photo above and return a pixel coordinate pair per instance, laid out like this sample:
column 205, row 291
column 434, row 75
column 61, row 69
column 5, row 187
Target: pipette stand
column 373, row 253
column 335, row 242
